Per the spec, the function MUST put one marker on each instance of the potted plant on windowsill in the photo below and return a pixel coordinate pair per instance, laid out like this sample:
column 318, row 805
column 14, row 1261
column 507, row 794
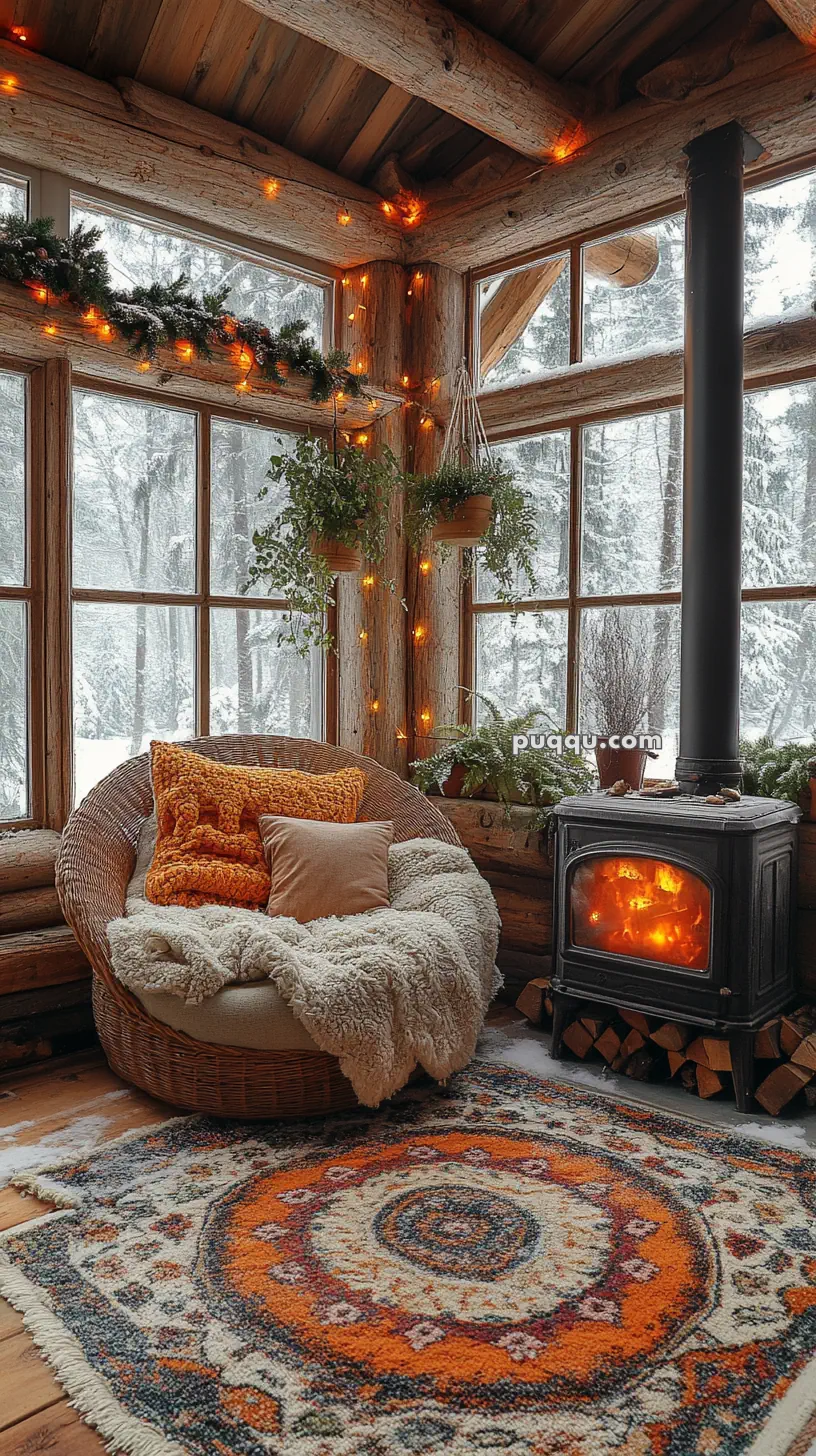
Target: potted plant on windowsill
column 336, row 515
column 480, row 763
column 780, row 771
column 622, row 684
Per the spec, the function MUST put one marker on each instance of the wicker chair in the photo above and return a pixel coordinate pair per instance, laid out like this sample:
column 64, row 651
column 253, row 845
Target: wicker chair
column 96, row 861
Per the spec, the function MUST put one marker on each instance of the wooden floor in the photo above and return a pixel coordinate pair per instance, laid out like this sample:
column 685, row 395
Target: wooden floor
column 43, row 1106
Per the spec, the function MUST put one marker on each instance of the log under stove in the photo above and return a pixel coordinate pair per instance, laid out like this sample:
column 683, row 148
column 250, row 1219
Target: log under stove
column 682, row 907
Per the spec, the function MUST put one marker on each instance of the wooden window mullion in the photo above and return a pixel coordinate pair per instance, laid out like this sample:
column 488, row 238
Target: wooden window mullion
column 203, row 623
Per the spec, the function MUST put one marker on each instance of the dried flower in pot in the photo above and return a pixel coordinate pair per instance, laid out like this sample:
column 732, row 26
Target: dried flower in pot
column 624, row 684
column 335, row 517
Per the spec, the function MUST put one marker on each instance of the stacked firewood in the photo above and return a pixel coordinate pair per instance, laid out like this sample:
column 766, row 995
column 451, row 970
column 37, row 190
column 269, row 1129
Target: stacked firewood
column 649, row 1049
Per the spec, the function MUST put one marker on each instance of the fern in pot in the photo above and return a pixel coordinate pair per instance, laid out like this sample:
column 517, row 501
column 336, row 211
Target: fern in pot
column 336, row 515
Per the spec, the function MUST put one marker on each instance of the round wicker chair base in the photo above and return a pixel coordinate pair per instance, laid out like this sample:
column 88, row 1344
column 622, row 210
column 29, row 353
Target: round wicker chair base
column 219, row 1080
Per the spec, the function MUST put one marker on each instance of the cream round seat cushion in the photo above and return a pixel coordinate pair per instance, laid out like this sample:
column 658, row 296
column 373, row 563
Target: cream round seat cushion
column 251, row 1014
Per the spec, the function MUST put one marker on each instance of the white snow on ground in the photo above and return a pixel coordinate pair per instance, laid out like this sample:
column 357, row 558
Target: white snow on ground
column 79, row 1137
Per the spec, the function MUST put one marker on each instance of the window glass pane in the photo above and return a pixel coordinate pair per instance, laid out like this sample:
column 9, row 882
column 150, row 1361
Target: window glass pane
column 139, row 254
column 632, row 505
column 13, row 195
column 524, row 322
column 13, row 710
column 779, row 500
column 780, row 247
column 630, row 676
column 134, row 494
column 134, row 680
column 778, row 689
column 240, row 460
column 12, row 479
column 542, row 465
column 521, row 663
column 633, row 291
column 257, row 683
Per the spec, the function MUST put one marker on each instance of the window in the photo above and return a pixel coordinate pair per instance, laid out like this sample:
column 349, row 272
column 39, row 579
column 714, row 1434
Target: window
column 13, row 195
column 780, row 248
column 15, row 606
column 164, row 644
column 140, row 253
column 633, row 292
column 524, row 322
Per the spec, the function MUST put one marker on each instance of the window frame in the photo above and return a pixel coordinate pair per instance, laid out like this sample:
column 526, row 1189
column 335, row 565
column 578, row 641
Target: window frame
column 575, row 602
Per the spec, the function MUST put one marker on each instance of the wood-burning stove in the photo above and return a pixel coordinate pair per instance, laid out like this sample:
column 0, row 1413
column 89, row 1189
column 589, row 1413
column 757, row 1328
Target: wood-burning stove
column 677, row 908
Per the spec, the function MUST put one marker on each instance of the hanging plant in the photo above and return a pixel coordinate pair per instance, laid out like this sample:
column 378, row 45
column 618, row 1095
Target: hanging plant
column 74, row 270
column 474, row 500
column 336, row 515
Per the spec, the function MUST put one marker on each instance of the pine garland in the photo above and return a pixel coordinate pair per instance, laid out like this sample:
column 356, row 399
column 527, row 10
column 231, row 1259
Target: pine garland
column 75, row 270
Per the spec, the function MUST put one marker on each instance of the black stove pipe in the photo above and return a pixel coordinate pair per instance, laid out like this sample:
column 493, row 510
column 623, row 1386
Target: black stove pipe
column 712, row 473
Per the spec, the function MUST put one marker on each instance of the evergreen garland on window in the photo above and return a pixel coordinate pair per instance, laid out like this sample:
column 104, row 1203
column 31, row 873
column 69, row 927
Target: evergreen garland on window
column 75, row 270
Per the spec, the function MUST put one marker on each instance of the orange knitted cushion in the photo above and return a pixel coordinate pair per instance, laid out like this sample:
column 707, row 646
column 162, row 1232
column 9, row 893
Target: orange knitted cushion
column 208, row 845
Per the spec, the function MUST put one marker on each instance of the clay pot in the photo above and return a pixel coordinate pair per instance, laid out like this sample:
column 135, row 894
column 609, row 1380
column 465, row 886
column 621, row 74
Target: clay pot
column 339, row 558
column 454, row 783
column 468, row 524
column 628, row 764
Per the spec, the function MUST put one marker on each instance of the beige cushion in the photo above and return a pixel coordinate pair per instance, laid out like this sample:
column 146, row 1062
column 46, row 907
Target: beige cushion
column 319, row 869
column 250, row 1015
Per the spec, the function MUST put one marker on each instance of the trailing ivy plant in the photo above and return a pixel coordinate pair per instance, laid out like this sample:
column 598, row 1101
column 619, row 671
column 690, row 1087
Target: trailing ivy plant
column 337, row 493
column 776, row 770
column 75, row 270
column 535, row 776
column 509, row 543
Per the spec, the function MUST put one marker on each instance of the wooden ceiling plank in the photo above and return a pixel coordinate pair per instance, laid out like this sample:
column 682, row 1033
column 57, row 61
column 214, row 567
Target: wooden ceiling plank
column 325, row 107
column 224, row 58
column 175, row 43
column 270, row 55
column 425, row 48
column 571, row 29
column 64, row 30
column 293, row 79
column 633, row 168
column 386, row 115
column 121, row 34
column 800, row 17
column 155, row 149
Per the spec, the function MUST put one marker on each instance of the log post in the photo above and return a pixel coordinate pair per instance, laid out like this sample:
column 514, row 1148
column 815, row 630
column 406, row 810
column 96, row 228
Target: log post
column 434, row 345
column 371, row 628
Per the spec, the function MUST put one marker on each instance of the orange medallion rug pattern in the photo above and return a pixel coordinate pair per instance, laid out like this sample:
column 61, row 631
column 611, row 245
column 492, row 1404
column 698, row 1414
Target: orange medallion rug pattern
column 505, row 1264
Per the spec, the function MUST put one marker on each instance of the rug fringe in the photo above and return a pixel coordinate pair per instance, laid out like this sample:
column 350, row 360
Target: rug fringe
column 88, row 1391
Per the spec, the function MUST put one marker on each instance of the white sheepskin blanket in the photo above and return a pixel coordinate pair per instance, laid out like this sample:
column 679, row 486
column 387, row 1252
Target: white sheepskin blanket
column 381, row 991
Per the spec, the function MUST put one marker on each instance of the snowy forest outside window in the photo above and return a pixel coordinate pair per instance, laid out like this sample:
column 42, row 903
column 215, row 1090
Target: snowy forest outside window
column 14, row 598
column 140, row 253
column 609, row 492
column 13, row 195
column 165, row 645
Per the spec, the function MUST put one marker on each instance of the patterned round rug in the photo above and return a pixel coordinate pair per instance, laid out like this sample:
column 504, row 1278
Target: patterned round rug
column 503, row 1265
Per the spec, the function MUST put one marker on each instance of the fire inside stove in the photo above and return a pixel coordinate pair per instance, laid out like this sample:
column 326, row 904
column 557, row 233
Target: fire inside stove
column 641, row 907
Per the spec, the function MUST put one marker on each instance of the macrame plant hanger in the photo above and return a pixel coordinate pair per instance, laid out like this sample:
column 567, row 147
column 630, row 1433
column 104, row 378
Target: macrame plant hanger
column 465, row 440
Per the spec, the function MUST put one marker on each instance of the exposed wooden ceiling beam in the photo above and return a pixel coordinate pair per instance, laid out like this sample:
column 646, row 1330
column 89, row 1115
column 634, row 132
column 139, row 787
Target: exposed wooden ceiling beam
column 427, row 50
column 154, row 149
column 623, row 262
column 800, row 17
column 213, row 380
column 633, row 165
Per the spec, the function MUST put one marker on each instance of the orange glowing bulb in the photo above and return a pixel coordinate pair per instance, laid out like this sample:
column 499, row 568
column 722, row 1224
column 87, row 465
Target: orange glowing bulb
column 10, row 82
column 242, row 387
column 362, row 439
column 90, row 315
column 144, row 366
column 427, row 423
column 340, row 394
column 410, row 293
column 418, row 277
column 424, row 567
column 375, row 706
column 20, row 34
column 364, row 636
column 105, row 331
column 271, row 186
column 373, row 404
column 387, row 208
column 405, row 380
column 244, row 359
column 364, row 280
column 351, row 318
column 359, row 367
column 401, row 735
column 419, row 633
column 184, row 349
column 50, row 329
column 425, row 716
column 42, row 294
column 345, row 282
column 368, row 580
column 344, row 217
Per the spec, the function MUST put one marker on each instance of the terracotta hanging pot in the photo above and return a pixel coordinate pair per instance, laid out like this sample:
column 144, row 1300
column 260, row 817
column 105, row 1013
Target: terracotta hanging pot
column 628, row 764
column 338, row 558
column 468, row 524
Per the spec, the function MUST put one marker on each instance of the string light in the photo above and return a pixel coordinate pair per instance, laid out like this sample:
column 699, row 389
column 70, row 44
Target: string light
column 359, row 366
column 373, row 404
column 243, row 386
column 426, row 422
column 245, row 359
column 10, row 83
column 340, row 395
column 402, row 736
column 42, row 295
column 419, row 632
column 425, row 716
column 387, row 208
column 105, row 331
column 271, row 186
column 343, row 216
column 418, row 277
column 20, row 34
column 144, row 366
column 49, row 328
column 364, row 280
column 345, row 282
column 375, row 706
column 368, row 580
column 364, row 635
column 410, row 293
column 90, row 316
column 424, row 567
column 185, row 349
column 406, row 381
column 351, row 318
column 362, row 439
column 229, row 324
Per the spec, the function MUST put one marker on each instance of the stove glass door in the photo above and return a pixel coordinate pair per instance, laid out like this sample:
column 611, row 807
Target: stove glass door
column 646, row 908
